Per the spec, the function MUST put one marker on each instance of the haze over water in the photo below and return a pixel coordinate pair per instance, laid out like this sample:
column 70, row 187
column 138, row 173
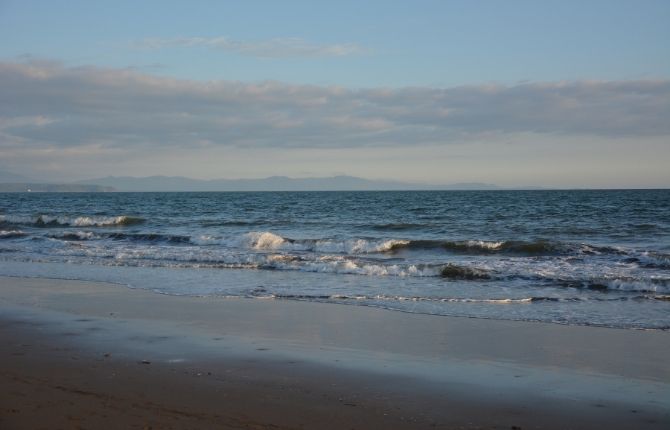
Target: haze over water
column 574, row 257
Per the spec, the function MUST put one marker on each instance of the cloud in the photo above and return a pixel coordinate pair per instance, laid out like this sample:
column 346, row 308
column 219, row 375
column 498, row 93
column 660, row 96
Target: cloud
column 19, row 121
column 46, row 105
column 287, row 47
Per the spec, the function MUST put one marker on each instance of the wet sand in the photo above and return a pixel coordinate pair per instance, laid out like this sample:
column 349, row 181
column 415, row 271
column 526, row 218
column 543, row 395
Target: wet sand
column 91, row 355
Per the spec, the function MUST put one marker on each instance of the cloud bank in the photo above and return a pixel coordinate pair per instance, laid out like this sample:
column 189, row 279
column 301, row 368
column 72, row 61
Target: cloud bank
column 46, row 105
column 286, row 47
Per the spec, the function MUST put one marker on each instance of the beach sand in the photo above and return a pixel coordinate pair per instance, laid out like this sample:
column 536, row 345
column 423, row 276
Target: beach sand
column 90, row 355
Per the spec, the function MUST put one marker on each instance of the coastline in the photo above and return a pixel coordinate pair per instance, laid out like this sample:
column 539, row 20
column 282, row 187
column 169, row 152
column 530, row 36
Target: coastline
column 82, row 354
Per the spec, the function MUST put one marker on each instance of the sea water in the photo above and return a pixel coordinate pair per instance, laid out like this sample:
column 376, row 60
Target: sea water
column 586, row 257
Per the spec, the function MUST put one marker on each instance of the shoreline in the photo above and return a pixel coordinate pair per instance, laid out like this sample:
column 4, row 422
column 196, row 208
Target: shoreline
column 279, row 363
column 305, row 300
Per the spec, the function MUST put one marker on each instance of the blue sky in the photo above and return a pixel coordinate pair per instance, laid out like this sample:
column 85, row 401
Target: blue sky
column 526, row 50
column 425, row 43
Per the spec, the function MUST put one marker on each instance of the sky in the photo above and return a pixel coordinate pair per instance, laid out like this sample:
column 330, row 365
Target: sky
column 515, row 93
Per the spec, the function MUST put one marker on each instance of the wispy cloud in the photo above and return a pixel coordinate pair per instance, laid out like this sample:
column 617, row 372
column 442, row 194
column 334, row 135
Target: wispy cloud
column 44, row 104
column 286, row 47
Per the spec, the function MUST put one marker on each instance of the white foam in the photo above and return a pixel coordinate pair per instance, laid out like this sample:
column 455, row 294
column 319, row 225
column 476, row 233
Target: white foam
column 356, row 246
column 592, row 271
column 11, row 233
column 387, row 298
column 484, row 244
column 95, row 221
column 353, row 267
column 654, row 258
column 640, row 285
column 206, row 240
column 262, row 240
column 82, row 235
column 196, row 256
column 80, row 221
column 265, row 240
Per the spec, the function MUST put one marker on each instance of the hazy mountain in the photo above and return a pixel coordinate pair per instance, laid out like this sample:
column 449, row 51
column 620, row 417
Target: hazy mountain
column 6, row 177
column 12, row 182
column 273, row 183
column 23, row 187
column 15, row 183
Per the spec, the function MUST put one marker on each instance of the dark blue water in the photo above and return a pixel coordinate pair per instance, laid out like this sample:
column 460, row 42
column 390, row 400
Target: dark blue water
column 576, row 257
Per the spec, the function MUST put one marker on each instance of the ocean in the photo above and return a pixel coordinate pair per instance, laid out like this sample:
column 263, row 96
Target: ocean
column 587, row 257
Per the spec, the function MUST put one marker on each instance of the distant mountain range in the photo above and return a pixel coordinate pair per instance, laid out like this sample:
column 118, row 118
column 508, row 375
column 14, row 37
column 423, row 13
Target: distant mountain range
column 273, row 183
column 11, row 182
column 28, row 187
column 14, row 183
column 9, row 177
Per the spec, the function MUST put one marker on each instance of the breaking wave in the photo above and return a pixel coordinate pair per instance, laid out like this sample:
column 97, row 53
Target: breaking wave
column 270, row 241
column 11, row 234
column 452, row 271
column 653, row 260
column 75, row 235
column 510, row 247
column 578, row 266
column 68, row 221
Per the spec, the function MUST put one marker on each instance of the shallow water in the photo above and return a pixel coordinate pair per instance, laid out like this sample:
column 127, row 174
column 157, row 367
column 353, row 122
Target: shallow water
column 576, row 257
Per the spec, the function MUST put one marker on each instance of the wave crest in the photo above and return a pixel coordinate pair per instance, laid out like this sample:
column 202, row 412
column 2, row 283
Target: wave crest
column 534, row 248
column 11, row 234
column 265, row 240
column 69, row 221
column 452, row 271
column 77, row 235
column 482, row 247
